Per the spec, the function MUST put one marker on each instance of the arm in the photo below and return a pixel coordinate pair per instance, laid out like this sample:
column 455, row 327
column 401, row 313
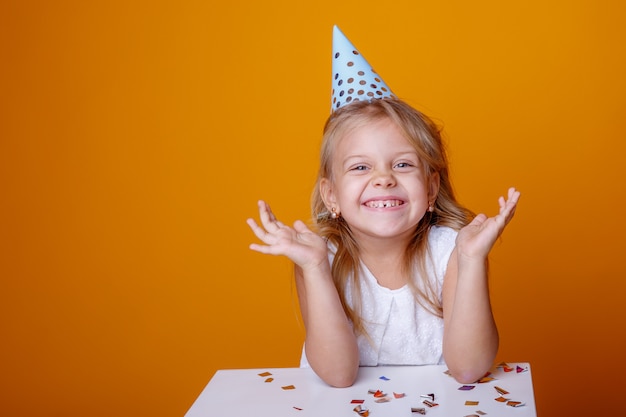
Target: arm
column 331, row 346
column 470, row 340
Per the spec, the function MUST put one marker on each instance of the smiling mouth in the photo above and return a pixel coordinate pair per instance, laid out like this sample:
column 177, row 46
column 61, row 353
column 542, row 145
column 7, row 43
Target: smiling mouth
column 384, row 203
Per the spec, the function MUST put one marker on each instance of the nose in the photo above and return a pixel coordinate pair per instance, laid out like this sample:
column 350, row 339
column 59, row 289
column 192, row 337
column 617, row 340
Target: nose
column 383, row 179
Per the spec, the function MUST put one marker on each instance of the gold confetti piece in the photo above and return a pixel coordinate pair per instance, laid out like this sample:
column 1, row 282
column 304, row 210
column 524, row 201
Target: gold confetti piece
column 485, row 379
column 471, row 402
column 505, row 366
column 482, row 413
column 515, row 403
column 502, row 399
column 501, row 391
column 287, row 387
column 430, row 403
column 382, row 400
column 269, row 379
column 265, row 374
column 418, row 410
column 362, row 411
column 379, row 394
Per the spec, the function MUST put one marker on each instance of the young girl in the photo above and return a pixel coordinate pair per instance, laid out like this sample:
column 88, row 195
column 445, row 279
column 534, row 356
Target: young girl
column 396, row 271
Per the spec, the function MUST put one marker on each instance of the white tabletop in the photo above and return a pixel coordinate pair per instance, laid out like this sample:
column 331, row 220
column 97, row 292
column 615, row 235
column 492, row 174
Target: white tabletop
column 245, row 393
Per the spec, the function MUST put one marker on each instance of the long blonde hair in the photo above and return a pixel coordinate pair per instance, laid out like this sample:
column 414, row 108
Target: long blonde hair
column 425, row 137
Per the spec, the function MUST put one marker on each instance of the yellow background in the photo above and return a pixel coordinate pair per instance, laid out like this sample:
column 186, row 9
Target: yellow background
column 136, row 138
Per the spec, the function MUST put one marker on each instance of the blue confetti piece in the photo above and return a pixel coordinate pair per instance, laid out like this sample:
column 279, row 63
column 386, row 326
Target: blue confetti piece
column 384, row 378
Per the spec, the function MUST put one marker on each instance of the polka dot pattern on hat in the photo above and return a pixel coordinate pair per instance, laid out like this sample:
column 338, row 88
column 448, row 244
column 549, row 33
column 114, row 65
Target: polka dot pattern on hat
column 353, row 77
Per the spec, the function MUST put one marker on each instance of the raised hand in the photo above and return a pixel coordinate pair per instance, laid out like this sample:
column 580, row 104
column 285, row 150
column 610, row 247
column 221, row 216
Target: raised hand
column 478, row 237
column 304, row 247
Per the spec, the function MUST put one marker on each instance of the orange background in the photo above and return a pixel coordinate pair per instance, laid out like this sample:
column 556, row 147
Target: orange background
column 136, row 138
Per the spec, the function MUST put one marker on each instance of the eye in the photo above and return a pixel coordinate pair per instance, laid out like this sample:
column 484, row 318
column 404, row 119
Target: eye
column 404, row 165
column 358, row 168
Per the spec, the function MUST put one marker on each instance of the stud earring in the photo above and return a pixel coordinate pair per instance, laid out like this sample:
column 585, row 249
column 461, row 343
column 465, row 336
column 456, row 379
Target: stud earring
column 334, row 214
column 431, row 208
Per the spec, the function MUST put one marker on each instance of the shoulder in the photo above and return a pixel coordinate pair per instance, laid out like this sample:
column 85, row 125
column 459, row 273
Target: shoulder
column 442, row 238
column 441, row 243
column 332, row 250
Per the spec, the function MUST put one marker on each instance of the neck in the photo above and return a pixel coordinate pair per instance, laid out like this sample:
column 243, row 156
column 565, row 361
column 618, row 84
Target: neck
column 385, row 260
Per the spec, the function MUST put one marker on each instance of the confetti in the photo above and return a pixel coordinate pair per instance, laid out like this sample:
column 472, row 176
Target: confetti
column 505, row 366
column 269, row 379
column 377, row 393
column 472, row 403
column 418, row 410
column 472, row 415
column 399, row 394
column 467, row 387
column 502, row 399
column 431, row 396
column 382, row 400
column 362, row 411
column 384, row 378
column 501, row 391
column 288, row 387
column 485, row 379
column 519, row 369
column 515, row 403
column 430, row 403
column 357, row 401
column 298, row 408
column 482, row 413
column 264, row 374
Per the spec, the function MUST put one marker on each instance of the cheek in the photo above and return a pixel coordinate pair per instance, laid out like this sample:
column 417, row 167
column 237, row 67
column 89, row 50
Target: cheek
column 350, row 191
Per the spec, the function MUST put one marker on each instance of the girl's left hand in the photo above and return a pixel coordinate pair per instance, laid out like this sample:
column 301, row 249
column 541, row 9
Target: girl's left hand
column 477, row 238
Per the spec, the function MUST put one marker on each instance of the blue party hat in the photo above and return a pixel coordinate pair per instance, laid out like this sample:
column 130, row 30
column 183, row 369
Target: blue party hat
column 353, row 77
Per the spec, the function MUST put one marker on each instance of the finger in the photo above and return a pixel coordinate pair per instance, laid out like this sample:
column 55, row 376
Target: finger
column 261, row 248
column 300, row 227
column 256, row 229
column 478, row 220
column 268, row 220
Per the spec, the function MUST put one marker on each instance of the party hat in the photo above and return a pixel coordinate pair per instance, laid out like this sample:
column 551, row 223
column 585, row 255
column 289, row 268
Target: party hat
column 353, row 77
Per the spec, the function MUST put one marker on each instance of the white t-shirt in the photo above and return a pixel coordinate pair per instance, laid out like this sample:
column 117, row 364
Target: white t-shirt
column 402, row 332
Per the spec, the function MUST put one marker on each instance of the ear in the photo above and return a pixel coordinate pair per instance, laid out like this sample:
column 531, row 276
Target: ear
column 433, row 187
column 327, row 192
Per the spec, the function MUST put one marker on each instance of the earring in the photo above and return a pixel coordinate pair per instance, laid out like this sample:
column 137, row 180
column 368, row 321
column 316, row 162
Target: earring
column 334, row 214
column 431, row 208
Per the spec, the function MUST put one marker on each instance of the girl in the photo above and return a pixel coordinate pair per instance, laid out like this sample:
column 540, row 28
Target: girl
column 388, row 279
column 395, row 272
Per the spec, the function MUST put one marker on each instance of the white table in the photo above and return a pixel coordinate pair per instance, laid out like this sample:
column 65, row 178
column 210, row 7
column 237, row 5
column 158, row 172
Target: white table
column 244, row 393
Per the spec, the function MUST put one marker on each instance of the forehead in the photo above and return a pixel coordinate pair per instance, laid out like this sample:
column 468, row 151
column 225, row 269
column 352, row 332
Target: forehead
column 379, row 136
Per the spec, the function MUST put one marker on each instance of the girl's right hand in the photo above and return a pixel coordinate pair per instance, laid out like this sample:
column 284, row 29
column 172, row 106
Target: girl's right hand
column 304, row 247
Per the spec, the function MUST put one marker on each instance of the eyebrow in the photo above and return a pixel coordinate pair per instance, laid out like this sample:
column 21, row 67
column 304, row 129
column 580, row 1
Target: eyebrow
column 397, row 155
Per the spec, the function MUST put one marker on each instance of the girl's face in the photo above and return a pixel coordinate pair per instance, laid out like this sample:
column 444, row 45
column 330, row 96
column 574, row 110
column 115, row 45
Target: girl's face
column 378, row 184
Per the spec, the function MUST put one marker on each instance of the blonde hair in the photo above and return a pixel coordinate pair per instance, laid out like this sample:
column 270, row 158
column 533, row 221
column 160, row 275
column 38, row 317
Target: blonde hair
column 425, row 136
